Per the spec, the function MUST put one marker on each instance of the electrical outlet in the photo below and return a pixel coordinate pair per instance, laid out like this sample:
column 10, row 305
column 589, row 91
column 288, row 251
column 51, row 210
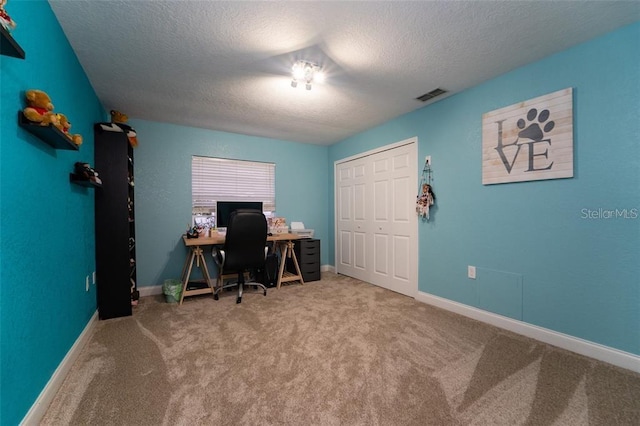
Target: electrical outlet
column 471, row 272
column 87, row 282
column 427, row 159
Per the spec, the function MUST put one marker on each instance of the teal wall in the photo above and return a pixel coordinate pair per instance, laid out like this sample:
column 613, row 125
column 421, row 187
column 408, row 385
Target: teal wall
column 538, row 260
column 47, row 223
column 163, row 188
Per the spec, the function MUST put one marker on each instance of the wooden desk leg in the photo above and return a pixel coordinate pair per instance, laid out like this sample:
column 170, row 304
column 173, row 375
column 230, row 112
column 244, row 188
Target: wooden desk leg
column 185, row 280
column 283, row 260
column 187, row 262
column 205, row 268
column 196, row 255
column 292, row 253
column 287, row 251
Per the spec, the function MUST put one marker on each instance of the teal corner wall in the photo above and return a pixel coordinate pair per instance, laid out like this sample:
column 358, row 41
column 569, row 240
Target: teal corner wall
column 47, row 224
column 569, row 274
column 163, row 188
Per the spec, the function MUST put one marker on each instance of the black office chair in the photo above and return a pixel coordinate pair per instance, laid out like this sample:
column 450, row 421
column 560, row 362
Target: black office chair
column 245, row 248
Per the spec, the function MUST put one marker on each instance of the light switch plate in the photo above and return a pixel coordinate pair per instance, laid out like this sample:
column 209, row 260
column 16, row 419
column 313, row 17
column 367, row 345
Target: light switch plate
column 471, row 272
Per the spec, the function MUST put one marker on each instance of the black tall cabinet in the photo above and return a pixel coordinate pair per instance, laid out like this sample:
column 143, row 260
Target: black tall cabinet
column 115, row 222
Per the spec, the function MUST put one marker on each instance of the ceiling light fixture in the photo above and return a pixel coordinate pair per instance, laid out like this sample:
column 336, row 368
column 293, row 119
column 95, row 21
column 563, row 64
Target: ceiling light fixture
column 307, row 72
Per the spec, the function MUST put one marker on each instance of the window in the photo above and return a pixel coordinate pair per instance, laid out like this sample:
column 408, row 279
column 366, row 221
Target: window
column 221, row 179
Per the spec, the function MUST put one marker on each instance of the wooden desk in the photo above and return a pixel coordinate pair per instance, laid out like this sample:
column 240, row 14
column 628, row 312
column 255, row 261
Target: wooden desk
column 283, row 243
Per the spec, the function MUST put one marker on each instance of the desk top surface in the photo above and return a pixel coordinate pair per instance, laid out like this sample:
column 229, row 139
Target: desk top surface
column 219, row 239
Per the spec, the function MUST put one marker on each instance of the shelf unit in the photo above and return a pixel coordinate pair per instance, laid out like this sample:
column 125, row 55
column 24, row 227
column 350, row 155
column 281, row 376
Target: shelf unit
column 49, row 134
column 115, row 224
column 8, row 46
column 135, row 295
column 79, row 180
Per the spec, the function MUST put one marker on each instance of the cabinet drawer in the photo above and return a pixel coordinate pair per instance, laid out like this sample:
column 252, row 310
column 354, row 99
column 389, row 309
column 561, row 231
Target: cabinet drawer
column 311, row 276
column 308, row 257
column 309, row 244
column 308, row 250
column 309, row 267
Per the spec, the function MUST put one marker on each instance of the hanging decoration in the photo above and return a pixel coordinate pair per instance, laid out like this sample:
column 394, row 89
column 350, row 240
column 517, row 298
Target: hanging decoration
column 426, row 197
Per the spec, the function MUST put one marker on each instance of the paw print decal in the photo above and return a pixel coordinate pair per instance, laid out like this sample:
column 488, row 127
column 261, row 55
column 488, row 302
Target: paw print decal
column 533, row 130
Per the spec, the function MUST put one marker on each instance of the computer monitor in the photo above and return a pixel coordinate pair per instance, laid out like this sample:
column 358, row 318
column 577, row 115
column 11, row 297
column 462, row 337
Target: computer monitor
column 225, row 208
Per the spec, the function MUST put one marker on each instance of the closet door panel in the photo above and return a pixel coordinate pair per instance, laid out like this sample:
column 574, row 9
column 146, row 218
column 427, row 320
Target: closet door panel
column 401, row 264
column 352, row 211
column 381, row 256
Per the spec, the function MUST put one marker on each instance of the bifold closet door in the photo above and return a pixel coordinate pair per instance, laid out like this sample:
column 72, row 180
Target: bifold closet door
column 376, row 220
column 352, row 219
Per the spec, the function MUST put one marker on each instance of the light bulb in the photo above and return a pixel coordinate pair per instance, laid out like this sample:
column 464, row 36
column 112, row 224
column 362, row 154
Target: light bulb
column 298, row 71
column 307, row 72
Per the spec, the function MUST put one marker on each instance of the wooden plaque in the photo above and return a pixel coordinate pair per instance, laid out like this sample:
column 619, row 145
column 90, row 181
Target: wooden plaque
column 531, row 140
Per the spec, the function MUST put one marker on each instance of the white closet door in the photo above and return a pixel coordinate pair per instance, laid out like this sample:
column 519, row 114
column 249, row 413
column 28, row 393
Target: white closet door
column 376, row 223
column 394, row 221
column 353, row 206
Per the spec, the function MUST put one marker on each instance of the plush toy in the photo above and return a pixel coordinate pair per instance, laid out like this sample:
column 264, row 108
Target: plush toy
column 64, row 125
column 425, row 200
column 120, row 119
column 40, row 108
column 5, row 19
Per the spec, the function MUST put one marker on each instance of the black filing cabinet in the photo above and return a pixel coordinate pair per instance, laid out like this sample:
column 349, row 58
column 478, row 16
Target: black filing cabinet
column 308, row 255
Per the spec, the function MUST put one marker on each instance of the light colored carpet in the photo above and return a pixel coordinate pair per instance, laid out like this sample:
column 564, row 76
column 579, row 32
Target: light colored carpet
column 332, row 352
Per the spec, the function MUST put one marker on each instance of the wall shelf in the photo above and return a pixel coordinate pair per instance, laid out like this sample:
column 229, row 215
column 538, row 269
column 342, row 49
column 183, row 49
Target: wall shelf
column 9, row 47
column 79, row 180
column 49, row 134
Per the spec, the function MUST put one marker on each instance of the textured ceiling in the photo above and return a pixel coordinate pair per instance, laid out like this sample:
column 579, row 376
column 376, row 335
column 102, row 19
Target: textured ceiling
column 226, row 65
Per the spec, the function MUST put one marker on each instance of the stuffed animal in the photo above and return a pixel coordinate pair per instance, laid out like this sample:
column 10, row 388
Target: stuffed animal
column 425, row 200
column 5, row 19
column 40, row 108
column 64, row 125
column 120, row 119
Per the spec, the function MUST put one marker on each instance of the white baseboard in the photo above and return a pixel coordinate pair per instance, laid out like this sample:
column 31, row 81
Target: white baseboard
column 39, row 407
column 327, row 268
column 574, row 344
column 150, row 290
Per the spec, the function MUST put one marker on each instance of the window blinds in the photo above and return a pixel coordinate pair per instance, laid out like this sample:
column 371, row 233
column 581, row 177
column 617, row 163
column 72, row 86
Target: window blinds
column 221, row 179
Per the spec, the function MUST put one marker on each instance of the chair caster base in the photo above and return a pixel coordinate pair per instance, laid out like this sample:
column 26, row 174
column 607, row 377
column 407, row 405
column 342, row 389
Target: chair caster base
column 239, row 300
column 216, row 297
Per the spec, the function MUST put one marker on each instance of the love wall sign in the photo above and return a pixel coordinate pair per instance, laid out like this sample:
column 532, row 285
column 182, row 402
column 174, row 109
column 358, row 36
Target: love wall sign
column 531, row 140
